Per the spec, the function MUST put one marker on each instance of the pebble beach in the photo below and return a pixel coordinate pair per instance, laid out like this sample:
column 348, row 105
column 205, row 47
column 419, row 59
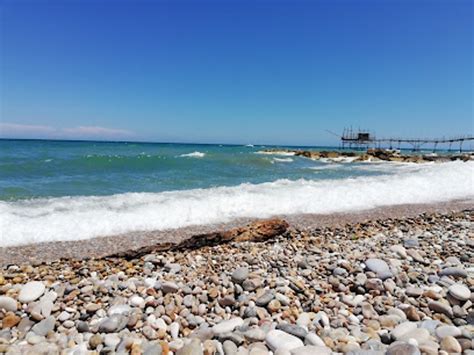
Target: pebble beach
column 381, row 286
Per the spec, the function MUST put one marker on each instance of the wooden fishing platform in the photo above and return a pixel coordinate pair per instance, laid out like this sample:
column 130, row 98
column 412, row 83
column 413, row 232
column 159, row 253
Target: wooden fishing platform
column 364, row 139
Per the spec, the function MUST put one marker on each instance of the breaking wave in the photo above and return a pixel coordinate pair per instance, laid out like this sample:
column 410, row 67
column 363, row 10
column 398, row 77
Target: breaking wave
column 194, row 155
column 75, row 218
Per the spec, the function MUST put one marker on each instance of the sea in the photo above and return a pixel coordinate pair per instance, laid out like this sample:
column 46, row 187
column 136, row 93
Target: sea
column 75, row 190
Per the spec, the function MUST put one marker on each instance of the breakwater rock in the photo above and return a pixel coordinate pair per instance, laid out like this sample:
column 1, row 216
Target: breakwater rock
column 372, row 155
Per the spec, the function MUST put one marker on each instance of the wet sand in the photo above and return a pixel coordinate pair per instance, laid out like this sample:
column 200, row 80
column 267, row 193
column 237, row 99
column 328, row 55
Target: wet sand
column 110, row 245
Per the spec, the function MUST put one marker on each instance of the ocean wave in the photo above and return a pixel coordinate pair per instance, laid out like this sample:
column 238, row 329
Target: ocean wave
column 193, row 155
column 75, row 218
column 283, row 160
column 338, row 160
column 326, row 167
column 282, row 153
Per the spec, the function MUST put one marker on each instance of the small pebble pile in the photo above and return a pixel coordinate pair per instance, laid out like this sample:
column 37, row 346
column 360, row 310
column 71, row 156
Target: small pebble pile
column 382, row 287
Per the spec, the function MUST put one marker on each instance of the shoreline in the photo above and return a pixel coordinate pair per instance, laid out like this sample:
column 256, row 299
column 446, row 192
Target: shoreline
column 100, row 247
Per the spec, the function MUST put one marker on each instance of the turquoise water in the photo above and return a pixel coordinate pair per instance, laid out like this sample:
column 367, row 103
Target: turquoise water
column 30, row 168
column 56, row 190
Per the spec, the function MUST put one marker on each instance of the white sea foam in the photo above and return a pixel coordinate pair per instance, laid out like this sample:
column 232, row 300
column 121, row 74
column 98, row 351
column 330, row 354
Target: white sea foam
column 194, row 155
column 325, row 167
column 276, row 152
column 338, row 159
column 73, row 218
column 283, row 160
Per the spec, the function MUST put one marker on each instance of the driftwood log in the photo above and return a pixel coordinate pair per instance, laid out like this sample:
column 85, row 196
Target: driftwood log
column 259, row 231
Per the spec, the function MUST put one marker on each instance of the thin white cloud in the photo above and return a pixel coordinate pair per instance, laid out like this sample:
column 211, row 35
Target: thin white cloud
column 14, row 130
column 97, row 131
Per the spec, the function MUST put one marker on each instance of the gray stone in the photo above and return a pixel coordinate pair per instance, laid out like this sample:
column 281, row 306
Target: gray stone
column 8, row 304
column 313, row 339
column 111, row 341
column 293, row 330
column 264, row 299
column 411, row 243
column 399, row 348
column 227, row 326
column 240, row 275
column 453, row 271
column 114, row 323
column 192, row 348
column 44, row 327
column 279, row 340
column 254, row 334
column 402, row 329
column 448, row 330
column 311, row 350
column 123, row 309
column 153, row 349
column 439, row 307
column 420, row 335
column 82, row 327
column 31, row 291
column 229, row 347
column 460, row 292
column 169, row 287
column 380, row 267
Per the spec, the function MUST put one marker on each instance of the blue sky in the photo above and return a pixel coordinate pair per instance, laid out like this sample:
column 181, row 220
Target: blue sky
column 235, row 71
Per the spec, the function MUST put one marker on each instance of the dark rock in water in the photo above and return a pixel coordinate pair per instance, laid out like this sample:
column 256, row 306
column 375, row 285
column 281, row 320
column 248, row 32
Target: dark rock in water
column 293, row 330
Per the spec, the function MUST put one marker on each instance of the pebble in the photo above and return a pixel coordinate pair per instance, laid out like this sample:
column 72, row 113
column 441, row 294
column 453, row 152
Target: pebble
column 311, row 350
column 380, row 267
column 114, row 323
column 193, row 348
column 95, row 340
column 293, row 330
column 240, row 274
column 459, row 292
column 402, row 329
column 440, row 307
column 169, row 287
column 227, row 325
column 278, row 340
column 10, row 320
column 8, row 303
column 403, row 349
column 453, row 271
column 450, row 345
column 31, row 291
column 45, row 326
column 111, row 341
